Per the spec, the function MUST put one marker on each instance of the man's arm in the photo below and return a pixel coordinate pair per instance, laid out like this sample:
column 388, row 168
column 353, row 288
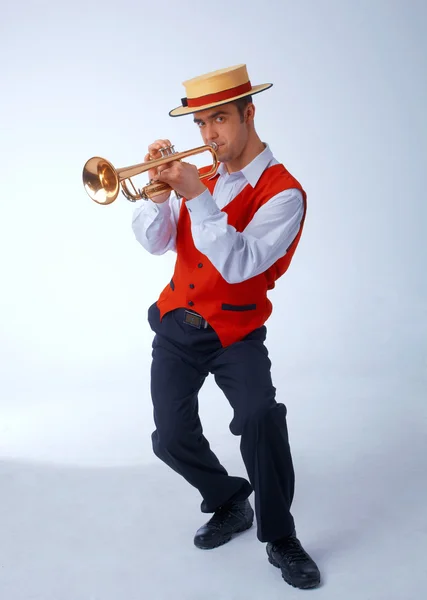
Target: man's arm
column 240, row 256
column 154, row 225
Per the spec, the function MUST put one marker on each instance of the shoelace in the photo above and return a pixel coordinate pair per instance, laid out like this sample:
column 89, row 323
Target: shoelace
column 222, row 516
column 292, row 550
column 219, row 519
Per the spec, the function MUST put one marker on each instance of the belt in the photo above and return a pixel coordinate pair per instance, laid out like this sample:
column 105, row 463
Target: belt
column 195, row 320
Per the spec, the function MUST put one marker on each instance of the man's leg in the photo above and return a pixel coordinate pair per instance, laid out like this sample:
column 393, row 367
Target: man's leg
column 178, row 439
column 242, row 371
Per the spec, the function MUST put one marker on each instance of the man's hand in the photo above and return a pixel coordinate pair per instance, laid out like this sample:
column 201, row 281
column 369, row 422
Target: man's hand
column 153, row 154
column 183, row 178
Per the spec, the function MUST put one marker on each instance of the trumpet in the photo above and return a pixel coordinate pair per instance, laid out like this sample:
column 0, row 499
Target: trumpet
column 102, row 181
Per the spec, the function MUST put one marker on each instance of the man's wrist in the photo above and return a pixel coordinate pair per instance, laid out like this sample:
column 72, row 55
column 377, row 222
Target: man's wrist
column 197, row 192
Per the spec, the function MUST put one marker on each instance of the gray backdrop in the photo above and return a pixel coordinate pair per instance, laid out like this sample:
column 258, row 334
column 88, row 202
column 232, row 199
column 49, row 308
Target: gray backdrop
column 84, row 499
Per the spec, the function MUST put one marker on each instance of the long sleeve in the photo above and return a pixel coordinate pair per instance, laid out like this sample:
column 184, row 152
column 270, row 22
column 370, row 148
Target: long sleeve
column 154, row 225
column 241, row 255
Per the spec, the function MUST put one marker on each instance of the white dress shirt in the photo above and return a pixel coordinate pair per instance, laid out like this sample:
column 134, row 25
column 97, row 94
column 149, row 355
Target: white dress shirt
column 236, row 255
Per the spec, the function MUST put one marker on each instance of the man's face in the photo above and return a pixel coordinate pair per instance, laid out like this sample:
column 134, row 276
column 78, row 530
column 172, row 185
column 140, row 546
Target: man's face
column 223, row 125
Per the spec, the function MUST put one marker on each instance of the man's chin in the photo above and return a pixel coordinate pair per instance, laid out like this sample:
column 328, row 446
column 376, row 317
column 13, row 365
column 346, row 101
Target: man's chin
column 222, row 154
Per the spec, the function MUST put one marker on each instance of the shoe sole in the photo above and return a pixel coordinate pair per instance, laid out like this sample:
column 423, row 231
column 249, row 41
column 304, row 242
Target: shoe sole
column 304, row 586
column 224, row 540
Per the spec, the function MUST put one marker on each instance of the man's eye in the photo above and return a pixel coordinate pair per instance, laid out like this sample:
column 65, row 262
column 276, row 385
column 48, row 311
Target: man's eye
column 219, row 119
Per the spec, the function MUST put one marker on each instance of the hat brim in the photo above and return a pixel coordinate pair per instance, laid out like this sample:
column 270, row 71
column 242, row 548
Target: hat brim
column 188, row 110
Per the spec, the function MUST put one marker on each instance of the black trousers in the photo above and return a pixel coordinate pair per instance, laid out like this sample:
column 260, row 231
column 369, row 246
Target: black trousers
column 183, row 356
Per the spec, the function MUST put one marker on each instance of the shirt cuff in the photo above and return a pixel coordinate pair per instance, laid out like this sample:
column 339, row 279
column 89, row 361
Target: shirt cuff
column 154, row 208
column 151, row 209
column 161, row 207
column 202, row 207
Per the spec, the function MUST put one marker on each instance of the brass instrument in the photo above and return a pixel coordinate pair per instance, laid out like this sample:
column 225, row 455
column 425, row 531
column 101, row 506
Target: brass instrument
column 102, row 181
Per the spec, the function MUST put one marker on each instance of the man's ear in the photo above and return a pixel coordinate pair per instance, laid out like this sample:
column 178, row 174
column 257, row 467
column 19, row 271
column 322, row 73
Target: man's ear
column 249, row 112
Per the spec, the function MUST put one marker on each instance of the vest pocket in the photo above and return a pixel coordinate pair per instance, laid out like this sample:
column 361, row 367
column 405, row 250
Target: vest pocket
column 238, row 307
column 172, row 285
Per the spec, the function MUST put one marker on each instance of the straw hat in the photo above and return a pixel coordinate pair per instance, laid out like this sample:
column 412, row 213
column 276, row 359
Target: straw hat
column 215, row 88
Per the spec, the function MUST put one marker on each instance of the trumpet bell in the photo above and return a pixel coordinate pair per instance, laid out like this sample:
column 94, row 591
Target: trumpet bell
column 101, row 181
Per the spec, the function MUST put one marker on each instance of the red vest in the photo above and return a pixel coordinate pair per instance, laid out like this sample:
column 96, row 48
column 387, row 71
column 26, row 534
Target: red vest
column 232, row 309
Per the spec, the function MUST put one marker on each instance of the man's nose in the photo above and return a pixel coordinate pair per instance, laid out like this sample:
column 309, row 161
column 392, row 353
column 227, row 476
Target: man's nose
column 211, row 133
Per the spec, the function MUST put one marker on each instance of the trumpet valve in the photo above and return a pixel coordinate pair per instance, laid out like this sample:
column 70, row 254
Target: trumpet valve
column 167, row 151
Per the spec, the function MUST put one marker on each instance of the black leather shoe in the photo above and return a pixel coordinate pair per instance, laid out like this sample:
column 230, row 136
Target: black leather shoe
column 298, row 568
column 227, row 520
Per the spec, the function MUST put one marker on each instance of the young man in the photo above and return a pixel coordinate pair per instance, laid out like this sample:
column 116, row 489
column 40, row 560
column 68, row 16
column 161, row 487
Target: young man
column 234, row 234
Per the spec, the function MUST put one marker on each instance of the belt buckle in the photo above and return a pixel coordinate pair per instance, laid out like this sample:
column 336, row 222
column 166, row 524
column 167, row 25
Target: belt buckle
column 192, row 319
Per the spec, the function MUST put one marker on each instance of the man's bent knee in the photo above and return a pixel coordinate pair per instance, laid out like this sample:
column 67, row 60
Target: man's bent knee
column 269, row 416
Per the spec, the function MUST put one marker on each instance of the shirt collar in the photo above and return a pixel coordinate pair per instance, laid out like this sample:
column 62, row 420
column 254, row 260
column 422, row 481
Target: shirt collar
column 253, row 171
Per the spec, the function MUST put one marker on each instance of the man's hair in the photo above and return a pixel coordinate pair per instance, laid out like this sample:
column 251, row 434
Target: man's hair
column 241, row 104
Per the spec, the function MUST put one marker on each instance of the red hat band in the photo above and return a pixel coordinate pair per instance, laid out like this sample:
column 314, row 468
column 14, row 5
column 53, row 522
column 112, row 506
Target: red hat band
column 218, row 96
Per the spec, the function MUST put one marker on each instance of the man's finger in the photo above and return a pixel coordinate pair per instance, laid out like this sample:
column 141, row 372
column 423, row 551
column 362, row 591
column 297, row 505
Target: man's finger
column 163, row 175
column 154, row 148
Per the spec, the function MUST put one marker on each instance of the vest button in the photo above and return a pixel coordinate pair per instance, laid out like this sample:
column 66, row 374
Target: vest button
column 191, row 303
column 191, row 286
column 200, row 265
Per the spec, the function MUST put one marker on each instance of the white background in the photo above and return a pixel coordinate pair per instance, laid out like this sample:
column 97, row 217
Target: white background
column 81, row 492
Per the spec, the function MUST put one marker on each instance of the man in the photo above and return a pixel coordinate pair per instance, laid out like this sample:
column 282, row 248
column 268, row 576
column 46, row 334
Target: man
column 234, row 234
